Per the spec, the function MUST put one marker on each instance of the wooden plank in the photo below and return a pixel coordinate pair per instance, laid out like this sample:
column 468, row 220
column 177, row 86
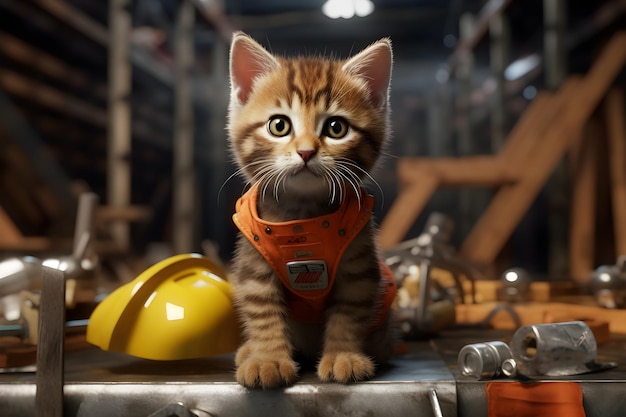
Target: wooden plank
column 583, row 211
column 9, row 233
column 526, row 140
column 518, row 138
column 583, row 308
column 405, row 210
column 76, row 19
column 48, row 65
column 477, row 171
column 616, row 129
column 468, row 171
column 495, row 221
column 28, row 245
column 540, row 291
column 511, row 202
column 130, row 213
column 37, row 92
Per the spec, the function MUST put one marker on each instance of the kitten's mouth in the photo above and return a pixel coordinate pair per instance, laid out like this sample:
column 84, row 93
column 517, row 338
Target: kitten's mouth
column 305, row 170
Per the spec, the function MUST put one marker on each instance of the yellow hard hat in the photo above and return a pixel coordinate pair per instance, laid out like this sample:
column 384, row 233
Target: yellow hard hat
column 179, row 308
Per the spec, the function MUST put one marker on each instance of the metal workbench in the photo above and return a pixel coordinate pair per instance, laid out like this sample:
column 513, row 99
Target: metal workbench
column 106, row 384
column 99, row 384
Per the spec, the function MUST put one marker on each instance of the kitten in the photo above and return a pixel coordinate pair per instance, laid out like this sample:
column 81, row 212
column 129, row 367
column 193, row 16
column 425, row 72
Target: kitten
column 306, row 275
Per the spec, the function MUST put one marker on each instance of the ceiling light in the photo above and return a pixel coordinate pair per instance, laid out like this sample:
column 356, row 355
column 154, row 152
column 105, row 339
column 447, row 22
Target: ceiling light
column 347, row 9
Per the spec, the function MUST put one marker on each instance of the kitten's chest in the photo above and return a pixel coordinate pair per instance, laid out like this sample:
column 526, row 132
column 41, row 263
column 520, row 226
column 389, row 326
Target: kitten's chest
column 305, row 254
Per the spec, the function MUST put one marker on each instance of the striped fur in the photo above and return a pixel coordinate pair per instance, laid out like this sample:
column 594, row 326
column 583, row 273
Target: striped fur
column 306, row 173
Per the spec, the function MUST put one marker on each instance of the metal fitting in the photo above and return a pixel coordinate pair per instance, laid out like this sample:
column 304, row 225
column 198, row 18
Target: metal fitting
column 556, row 349
column 483, row 360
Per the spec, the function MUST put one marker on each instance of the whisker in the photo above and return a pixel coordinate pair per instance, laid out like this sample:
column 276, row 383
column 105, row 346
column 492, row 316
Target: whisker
column 241, row 171
column 389, row 155
column 233, row 175
column 354, row 186
column 337, row 189
column 348, row 162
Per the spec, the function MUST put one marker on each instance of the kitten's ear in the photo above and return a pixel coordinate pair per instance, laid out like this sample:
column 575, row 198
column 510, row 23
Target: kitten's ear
column 248, row 60
column 373, row 65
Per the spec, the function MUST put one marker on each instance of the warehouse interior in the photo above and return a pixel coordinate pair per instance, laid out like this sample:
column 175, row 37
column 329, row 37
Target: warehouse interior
column 509, row 139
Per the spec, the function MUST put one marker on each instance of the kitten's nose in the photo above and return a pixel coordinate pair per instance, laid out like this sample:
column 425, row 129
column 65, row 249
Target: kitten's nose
column 306, row 155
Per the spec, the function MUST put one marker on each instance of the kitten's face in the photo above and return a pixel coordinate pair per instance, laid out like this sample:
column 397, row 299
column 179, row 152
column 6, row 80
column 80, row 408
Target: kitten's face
column 311, row 127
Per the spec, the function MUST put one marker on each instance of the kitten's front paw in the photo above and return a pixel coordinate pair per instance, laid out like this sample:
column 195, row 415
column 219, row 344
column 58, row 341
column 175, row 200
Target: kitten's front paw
column 345, row 367
column 255, row 370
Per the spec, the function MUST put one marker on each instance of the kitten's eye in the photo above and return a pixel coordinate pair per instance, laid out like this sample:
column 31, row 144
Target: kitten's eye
column 279, row 126
column 336, row 128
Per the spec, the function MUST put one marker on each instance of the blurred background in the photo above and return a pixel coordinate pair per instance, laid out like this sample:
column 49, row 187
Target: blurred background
column 127, row 99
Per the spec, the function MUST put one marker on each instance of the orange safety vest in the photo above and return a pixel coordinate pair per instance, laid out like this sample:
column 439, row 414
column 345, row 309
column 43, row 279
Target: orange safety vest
column 305, row 254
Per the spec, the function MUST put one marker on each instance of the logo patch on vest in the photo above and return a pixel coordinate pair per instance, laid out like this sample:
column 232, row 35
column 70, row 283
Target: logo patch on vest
column 307, row 275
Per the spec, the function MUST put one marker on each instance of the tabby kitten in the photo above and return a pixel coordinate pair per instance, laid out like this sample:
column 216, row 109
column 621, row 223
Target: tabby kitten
column 305, row 133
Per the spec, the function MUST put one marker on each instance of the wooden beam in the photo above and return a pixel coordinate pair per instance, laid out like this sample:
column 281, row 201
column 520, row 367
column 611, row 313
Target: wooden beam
column 469, row 171
column 508, row 206
column 48, row 65
column 133, row 213
column 616, row 129
column 119, row 117
column 76, row 19
column 28, row 245
column 521, row 139
column 405, row 210
column 584, row 199
column 527, row 137
column 9, row 233
column 37, row 92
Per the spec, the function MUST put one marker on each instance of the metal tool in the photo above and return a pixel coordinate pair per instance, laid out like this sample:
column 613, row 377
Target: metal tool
column 483, row 360
column 433, row 307
column 24, row 274
column 608, row 283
